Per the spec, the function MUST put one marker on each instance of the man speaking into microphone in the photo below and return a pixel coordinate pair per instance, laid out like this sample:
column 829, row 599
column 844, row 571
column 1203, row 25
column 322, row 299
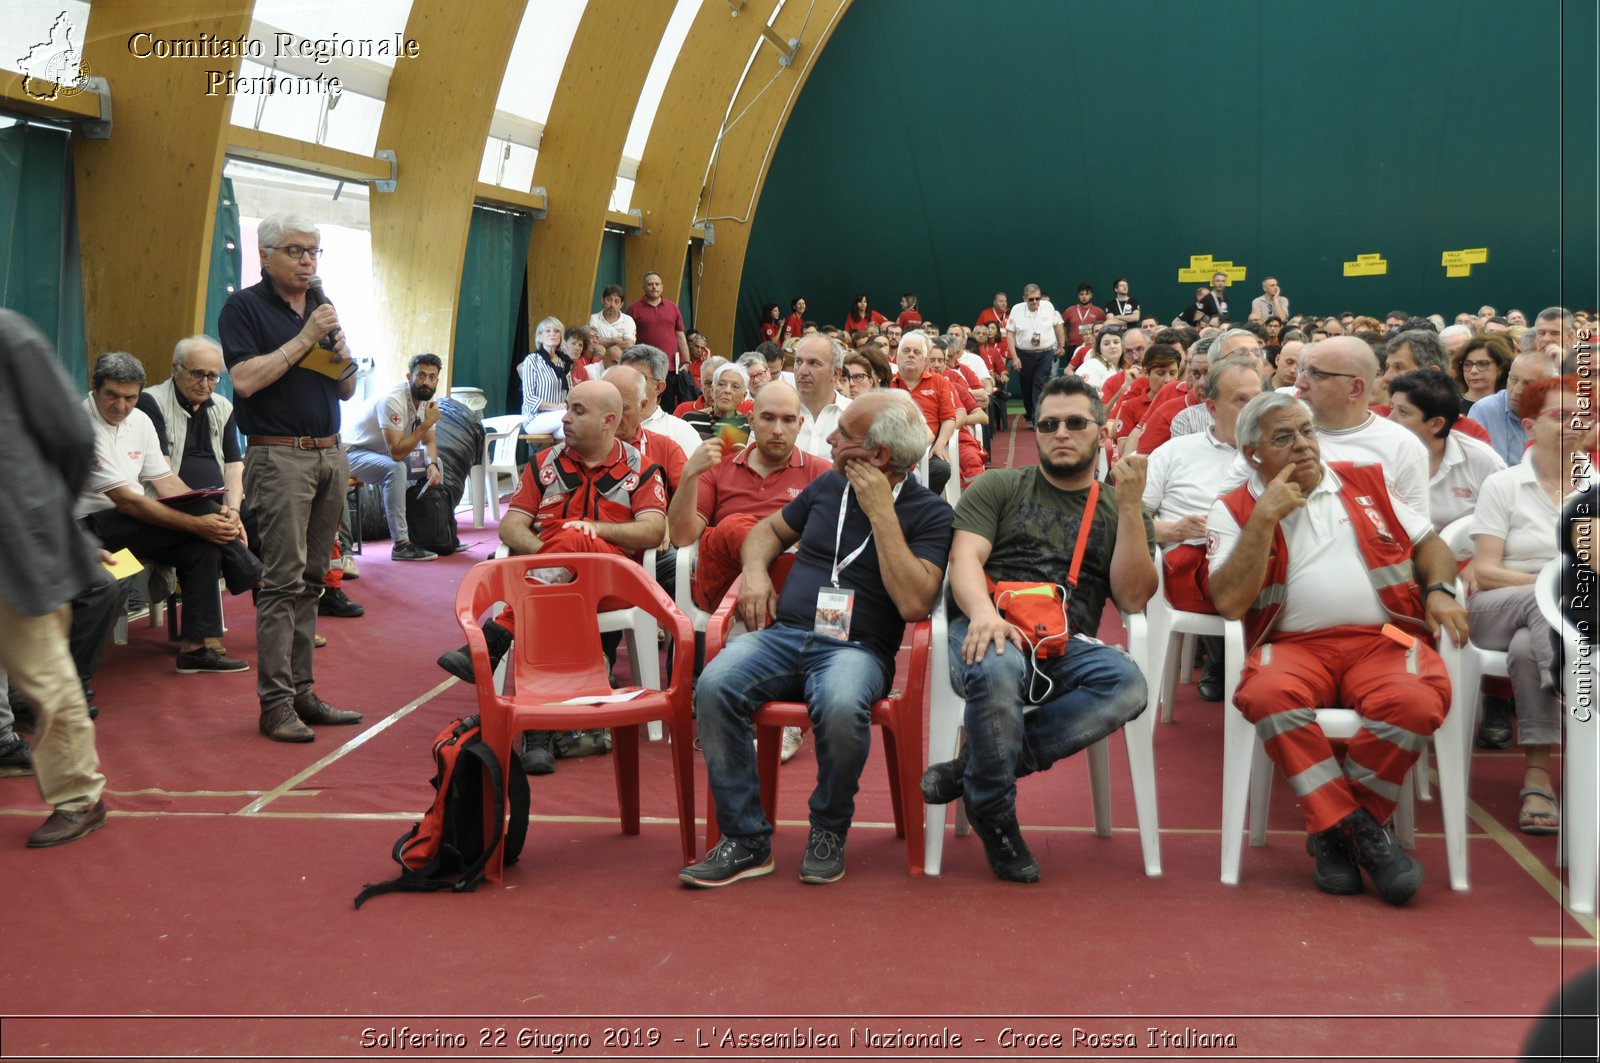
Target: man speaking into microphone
column 289, row 363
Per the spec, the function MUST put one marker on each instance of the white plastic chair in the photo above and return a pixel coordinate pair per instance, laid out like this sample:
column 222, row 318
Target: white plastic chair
column 686, row 557
column 1172, row 633
column 1247, row 771
column 1476, row 662
column 499, row 459
column 947, row 708
column 1579, row 849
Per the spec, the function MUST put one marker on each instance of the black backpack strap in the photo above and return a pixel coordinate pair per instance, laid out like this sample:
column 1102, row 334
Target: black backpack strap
column 517, row 829
column 478, row 750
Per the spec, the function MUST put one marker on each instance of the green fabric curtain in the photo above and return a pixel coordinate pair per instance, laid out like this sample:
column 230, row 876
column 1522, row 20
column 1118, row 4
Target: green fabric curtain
column 492, row 280
column 613, row 268
column 40, row 271
column 686, row 292
column 226, row 269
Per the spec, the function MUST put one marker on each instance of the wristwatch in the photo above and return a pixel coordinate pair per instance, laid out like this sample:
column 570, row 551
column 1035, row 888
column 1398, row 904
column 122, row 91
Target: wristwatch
column 1451, row 591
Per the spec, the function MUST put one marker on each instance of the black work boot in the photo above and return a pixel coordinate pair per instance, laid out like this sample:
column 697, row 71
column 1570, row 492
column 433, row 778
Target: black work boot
column 1394, row 874
column 538, row 752
column 1336, row 870
column 458, row 662
column 1007, row 853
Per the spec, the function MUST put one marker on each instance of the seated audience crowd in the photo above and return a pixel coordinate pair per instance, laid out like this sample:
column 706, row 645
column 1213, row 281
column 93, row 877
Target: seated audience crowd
column 1299, row 474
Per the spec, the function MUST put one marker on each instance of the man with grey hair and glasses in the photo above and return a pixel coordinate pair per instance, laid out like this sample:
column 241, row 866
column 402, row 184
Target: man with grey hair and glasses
column 197, row 537
column 291, row 367
column 872, row 547
column 197, row 428
column 1342, row 589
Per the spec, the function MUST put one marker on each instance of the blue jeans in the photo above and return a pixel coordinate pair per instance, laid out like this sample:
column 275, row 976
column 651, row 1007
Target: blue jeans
column 837, row 680
column 1097, row 690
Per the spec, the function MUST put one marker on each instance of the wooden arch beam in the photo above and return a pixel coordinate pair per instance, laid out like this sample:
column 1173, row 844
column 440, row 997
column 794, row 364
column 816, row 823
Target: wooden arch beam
column 581, row 147
column 672, row 170
column 147, row 196
column 740, row 168
column 436, row 119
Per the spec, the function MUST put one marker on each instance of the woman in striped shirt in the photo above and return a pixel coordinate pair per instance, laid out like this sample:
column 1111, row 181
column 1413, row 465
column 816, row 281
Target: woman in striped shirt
column 545, row 377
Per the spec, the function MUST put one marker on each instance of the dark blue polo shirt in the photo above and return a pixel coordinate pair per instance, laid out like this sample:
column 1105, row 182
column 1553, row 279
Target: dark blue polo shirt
column 256, row 320
column 925, row 519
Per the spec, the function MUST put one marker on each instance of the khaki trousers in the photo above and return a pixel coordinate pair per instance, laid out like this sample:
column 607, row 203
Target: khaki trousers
column 34, row 653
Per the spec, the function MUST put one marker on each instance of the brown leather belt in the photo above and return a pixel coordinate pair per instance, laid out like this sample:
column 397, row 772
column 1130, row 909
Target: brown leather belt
column 297, row 442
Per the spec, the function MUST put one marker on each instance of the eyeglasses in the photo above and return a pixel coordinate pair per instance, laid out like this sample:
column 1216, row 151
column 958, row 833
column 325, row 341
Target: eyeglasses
column 1287, row 437
column 1049, row 426
column 1476, row 367
column 1322, row 374
column 296, row 252
column 198, row 375
column 1033, row 298
column 858, row 378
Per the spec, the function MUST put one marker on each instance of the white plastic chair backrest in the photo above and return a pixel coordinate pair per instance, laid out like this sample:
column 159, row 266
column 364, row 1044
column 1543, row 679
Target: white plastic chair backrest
column 1456, row 535
column 502, row 438
column 1547, row 592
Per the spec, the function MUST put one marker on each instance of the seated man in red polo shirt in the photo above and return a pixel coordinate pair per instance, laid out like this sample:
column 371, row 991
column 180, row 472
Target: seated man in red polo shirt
column 590, row 493
column 657, row 449
column 727, row 492
column 970, row 411
column 934, row 398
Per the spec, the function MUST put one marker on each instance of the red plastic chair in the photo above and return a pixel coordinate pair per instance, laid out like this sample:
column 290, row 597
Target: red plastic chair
column 556, row 656
column 899, row 715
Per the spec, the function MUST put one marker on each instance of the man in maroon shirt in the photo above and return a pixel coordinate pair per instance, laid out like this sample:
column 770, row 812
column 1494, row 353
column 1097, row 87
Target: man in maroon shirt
column 659, row 323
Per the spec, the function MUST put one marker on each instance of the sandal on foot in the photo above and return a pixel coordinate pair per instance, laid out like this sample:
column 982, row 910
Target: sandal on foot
column 1536, row 821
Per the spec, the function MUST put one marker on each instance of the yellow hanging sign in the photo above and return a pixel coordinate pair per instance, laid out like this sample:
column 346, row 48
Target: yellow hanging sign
column 1203, row 267
column 1374, row 265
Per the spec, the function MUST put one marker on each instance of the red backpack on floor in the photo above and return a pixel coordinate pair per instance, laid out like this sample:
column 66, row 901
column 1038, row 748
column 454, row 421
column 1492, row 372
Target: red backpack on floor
column 447, row 849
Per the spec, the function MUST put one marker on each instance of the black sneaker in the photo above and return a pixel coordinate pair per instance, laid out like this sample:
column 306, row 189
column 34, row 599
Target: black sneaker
column 1394, row 874
column 1007, row 853
column 946, row 781
column 538, row 755
column 410, row 551
column 824, row 859
column 1336, row 870
column 335, row 602
column 458, row 662
column 16, row 756
column 727, row 863
column 207, row 659
column 1210, row 686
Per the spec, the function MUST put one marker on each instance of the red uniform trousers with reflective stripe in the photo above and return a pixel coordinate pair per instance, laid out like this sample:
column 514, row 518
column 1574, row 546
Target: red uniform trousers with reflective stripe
column 1187, row 579
column 1402, row 695
column 717, row 562
column 565, row 540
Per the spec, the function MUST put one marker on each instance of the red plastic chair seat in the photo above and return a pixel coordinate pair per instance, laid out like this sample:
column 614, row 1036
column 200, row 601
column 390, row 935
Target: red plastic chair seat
column 556, row 657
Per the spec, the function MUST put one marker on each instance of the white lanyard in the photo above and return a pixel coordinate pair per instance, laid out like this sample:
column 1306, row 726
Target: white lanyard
column 838, row 535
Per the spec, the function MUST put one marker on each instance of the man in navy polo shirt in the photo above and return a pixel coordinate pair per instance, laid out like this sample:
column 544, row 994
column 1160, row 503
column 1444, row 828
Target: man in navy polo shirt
column 294, row 471
column 872, row 552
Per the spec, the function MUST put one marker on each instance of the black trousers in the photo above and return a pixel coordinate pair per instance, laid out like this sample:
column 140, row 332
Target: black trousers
column 198, row 562
column 1035, row 373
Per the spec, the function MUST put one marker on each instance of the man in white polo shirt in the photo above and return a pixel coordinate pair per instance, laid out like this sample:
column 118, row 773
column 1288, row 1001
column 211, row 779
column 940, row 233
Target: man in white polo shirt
column 199, row 539
column 1337, row 376
column 818, row 363
column 1341, row 588
column 1426, row 403
column 1037, row 333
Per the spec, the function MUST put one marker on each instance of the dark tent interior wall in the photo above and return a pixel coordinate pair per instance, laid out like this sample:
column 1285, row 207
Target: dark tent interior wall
column 953, row 148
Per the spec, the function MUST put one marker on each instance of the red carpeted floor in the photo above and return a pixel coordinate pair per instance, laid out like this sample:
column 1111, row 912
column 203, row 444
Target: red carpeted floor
column 213, row 919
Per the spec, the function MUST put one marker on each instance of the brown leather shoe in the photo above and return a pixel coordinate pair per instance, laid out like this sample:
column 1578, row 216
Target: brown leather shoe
column 313, row 709
column 63, row 826
column 282, row 725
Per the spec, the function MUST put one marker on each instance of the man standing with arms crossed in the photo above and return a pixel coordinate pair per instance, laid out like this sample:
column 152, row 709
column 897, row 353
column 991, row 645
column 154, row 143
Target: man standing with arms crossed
column 294, row 471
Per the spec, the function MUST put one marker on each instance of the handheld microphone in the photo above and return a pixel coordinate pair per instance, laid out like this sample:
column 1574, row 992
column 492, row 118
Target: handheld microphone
column 314, row 286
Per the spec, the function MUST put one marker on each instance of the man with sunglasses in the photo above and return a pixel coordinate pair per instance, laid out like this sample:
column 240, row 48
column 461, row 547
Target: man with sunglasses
column 1342, row 588
column 1023, row 525
column 295, row 471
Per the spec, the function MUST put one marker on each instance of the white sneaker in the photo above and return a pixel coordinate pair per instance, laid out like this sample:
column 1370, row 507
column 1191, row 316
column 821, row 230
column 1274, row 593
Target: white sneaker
column 793, row 739
column 348, row 564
